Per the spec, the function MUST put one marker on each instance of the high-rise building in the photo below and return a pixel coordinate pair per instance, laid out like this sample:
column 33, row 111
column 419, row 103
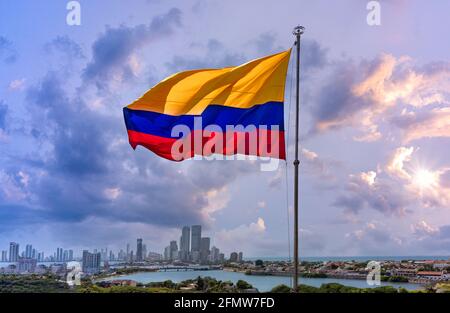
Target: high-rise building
column 233, row 257
column 154, row 256
column 28, row 251
column 139, row 250
column 196, row 238
column 71, row 255
column 221, row 257
column 204, row 248
column 185, row 243
column 34, row 254
column 240, row 257
column 91, row 262
column 173, row 250
column 167, row 253
column 65, row 256
column 13, row 252
column 59, row 255
column 144, row 252
column 128, row 252
column 122, row 255
column 4, row 256
column 104, row 253
column 214, row 256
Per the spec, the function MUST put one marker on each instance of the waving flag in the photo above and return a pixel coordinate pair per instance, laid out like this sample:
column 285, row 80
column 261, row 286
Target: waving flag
column 233, row 110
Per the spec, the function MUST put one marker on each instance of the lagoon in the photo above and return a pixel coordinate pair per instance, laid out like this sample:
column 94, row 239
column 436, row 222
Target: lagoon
column 263, row 283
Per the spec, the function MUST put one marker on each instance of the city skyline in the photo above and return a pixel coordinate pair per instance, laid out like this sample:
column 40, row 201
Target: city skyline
column 201, row 249
column 374, row 127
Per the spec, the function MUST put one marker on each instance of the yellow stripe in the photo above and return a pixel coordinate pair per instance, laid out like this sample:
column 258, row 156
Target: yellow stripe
column 190, row 92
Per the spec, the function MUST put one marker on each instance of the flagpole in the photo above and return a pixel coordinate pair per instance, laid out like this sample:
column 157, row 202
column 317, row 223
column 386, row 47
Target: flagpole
column 298, row 31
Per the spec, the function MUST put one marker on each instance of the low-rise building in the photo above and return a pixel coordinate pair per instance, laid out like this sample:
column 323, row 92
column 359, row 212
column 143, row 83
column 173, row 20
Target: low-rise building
column 430, row 275
column 405, row 272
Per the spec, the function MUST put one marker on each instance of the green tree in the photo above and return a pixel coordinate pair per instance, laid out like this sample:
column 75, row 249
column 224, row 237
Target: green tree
column 242, row 284
column 259, row 263
column 200, row 283
column 281, row 289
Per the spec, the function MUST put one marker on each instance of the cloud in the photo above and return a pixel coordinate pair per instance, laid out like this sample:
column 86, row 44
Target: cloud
column 83, row 169
column 313, row 56
column 433, row 123
column 366, row 191
column 11, row 188
column 432, row 238
column 17, row 84
column 213, row 55
column 369, row 177
column 316, row 166
column 399, row 190
column 251, row 238
column 363, row 95
column 66, row 45
column 113, row 52
column 428, row 186
column 265, row 43
column 397, row 161
column 372, row 237
column 112, row 193
column 7, row 53
column 422, row 228
column 321, row 169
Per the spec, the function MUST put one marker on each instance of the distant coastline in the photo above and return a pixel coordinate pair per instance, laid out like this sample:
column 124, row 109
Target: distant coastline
column 353, row 258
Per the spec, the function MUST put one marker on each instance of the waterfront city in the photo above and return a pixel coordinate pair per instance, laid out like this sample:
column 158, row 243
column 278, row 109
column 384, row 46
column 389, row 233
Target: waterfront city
column 192, row 257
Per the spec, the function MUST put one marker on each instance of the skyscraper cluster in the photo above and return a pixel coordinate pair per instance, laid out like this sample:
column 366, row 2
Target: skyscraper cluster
column 30, row 253
column 14, row 254
column 141, row 254
column 193, row 248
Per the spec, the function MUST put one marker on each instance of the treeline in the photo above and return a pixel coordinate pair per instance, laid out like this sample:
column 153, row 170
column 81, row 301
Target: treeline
column 32, row 284
column 338, row 288
column 200, row 284
column 52, row 284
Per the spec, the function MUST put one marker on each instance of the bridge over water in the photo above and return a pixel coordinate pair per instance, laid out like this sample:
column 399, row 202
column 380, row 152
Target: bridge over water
column 185, row 268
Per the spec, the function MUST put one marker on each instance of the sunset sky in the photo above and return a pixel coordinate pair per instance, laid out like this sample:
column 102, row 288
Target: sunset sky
column 375, row 127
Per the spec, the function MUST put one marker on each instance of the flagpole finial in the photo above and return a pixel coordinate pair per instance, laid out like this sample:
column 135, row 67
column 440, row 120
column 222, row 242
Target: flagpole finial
column 298, row 30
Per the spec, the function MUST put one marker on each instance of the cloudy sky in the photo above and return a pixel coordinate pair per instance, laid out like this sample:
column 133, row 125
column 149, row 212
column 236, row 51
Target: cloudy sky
column 375, row 127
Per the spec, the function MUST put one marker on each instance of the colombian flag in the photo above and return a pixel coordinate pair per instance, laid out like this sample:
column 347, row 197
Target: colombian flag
column 207, row 103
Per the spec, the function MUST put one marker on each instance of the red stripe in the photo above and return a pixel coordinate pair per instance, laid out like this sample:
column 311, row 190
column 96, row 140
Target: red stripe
column 234, row 142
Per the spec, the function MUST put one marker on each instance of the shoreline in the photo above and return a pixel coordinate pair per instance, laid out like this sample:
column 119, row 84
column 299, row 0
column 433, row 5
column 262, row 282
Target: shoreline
column 118, row 276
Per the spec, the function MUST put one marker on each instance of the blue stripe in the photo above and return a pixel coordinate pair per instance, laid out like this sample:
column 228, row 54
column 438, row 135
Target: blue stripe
column 270, row 113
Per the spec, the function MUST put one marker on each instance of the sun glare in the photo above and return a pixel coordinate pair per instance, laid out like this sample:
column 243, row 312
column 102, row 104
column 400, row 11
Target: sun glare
column 424, row 178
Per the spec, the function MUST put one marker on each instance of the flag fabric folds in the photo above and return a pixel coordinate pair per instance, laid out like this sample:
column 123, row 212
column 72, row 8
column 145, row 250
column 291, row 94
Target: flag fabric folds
column 207, row 103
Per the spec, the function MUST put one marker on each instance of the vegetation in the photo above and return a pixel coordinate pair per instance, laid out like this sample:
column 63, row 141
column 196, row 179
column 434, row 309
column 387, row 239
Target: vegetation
column 281, row 289
column 52, row 284
column 397, row 279
column 242, row 284
column 338, row 288
column 442, row 288
column 259, row 263
column 32, row 284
